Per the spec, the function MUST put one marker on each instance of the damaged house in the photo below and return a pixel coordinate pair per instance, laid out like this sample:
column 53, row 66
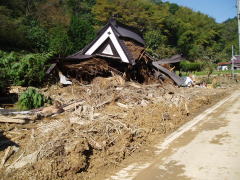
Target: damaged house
column 117, row 49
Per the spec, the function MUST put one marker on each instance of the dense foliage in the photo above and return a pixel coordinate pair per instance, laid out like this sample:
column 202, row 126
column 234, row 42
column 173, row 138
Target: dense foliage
column 23, row 70
column 33, row 31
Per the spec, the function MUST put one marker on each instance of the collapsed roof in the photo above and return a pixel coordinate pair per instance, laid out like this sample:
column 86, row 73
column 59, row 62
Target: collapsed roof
column 122, row 44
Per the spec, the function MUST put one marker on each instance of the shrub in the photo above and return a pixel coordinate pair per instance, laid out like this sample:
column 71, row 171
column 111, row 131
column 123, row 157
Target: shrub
column 188, row 66
column 31, row 99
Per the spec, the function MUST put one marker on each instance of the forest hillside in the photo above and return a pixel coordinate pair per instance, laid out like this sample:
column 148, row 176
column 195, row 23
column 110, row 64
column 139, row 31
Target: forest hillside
column 34, row 31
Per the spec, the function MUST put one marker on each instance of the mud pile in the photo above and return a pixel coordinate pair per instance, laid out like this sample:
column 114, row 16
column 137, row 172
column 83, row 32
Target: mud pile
column 114, row 120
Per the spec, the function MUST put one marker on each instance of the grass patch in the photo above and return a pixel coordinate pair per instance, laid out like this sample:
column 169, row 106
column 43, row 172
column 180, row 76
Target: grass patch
column 205, row 73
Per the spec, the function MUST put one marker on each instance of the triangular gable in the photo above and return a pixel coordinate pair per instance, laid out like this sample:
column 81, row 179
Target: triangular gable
column 108, row 50
column 114, row 41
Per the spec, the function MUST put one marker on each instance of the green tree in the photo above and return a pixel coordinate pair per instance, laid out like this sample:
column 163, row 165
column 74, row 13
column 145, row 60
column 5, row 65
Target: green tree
column 81, row 32
column 38, row 36
column 59, row 42
column 154, row 39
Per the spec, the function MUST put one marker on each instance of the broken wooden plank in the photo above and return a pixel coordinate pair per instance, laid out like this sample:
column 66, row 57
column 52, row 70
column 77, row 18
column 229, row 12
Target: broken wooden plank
column 50, row 69
column 172, row 75
column 5, row 156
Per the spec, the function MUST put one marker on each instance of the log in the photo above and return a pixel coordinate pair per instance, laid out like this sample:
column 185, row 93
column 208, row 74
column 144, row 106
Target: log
column 72, row 106
column 13, row 112
column 22, row 116
column 6, row 119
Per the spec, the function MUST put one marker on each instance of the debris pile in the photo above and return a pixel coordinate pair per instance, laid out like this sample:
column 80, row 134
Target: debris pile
column 100, row 126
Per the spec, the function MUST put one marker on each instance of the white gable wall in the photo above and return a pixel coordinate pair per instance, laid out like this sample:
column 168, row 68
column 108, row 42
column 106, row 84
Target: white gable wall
column 108, row 34
column 108, row 50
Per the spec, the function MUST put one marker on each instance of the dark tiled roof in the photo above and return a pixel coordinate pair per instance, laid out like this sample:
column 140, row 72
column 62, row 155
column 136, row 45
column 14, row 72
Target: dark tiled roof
column 79, row 55
column 127, row 32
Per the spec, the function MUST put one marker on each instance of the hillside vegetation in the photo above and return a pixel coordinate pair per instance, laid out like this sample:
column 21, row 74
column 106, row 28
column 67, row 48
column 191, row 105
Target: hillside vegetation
column 33, row 31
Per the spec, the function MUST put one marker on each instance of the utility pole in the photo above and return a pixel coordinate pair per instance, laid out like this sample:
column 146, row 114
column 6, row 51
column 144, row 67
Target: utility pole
column 238, row 17
column 232, row 61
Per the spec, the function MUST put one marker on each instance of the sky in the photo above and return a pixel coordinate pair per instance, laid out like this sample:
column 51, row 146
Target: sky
column 220, row 10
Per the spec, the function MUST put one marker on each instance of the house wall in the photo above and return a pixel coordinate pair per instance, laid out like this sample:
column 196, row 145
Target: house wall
column 222, row 68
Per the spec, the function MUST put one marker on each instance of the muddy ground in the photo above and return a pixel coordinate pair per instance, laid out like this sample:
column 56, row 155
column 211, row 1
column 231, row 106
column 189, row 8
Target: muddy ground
column 114, row 121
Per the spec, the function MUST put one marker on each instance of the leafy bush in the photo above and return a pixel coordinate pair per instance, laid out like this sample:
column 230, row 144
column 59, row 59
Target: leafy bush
column 188, row 66
column 32, row 99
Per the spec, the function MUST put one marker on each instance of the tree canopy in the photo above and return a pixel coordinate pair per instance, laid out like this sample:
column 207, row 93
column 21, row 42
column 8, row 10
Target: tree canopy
column 62, row 27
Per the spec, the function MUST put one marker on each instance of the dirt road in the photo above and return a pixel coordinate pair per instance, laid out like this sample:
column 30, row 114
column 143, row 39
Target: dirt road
column 208, row 147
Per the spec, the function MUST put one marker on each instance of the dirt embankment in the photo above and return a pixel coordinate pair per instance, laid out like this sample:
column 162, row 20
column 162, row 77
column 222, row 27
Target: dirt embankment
column 113, row 121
